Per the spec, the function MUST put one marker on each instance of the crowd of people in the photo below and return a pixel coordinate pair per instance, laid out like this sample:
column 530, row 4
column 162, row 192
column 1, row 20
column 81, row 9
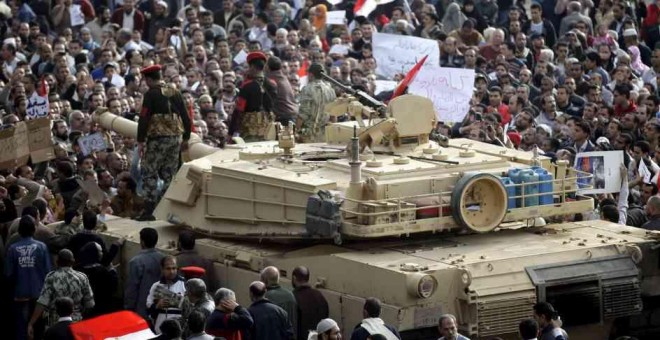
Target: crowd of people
column 172, row 293
column 556, row 76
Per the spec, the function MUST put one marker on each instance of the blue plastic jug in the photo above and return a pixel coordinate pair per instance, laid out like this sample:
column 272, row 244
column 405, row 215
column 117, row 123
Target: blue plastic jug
column 531, row 187
column 510, row 191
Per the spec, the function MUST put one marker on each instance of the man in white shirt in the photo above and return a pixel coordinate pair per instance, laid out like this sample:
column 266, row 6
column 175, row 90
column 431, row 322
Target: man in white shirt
column 259, row 32
column 166, row 296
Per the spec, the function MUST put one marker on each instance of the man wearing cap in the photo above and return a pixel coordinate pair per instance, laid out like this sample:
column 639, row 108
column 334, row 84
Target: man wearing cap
column 630, row 38
column 254, row 106
column 159, row 19
column 163, row 121
column 63, row 282
column 312, row 117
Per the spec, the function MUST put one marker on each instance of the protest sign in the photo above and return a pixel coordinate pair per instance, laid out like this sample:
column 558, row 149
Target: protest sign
column 384, row 85
column 94, row 192
column 399, row 53
column 338, row 49
column 37, row 106
column 14, row 149
column 91, row 143
column 76, row 15
column 241, row 57
column 604, row 166
column 335, row 18
column 40, row 140
column 450, row 90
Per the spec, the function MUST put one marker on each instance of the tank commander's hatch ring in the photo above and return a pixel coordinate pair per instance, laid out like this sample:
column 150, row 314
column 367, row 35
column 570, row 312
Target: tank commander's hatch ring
column 478, row 202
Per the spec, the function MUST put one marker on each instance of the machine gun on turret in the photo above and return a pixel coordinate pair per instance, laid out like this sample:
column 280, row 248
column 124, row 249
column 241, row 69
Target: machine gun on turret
column 361, row 96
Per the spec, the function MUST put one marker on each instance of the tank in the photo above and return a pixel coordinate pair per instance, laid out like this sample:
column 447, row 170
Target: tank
column 381, row 210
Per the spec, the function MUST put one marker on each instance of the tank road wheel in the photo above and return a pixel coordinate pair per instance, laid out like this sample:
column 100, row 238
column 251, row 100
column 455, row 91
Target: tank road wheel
column 478, row 202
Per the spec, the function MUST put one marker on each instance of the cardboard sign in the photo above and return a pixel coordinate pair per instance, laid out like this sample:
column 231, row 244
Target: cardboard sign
column 450, row 89
column 399, row 53
column 14, row 148
column 91, row 143
column 335, row 18
column 95, row 194
column 40, row 140
column 37, row 106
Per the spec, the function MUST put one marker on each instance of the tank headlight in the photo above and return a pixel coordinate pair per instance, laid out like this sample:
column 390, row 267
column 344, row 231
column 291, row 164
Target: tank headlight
column 426, row 286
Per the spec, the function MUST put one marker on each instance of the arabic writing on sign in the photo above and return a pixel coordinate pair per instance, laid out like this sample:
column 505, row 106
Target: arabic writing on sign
column 37, row 106
column 399, row 53
column 450, row 90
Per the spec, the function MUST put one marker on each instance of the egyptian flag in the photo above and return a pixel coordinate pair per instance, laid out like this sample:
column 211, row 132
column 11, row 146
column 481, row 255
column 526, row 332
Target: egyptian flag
column 302, row 73
column 365, row 7
column 408, row 79
column 124, row 325
column 43, row 88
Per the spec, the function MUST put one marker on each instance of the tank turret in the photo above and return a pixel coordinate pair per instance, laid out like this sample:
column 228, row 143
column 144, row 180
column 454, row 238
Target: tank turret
column 381, row 174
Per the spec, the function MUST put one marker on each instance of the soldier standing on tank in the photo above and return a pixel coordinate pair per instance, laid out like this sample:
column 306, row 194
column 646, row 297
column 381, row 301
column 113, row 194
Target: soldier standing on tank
column 254, row 106
column 163, row 123
column 312, row 117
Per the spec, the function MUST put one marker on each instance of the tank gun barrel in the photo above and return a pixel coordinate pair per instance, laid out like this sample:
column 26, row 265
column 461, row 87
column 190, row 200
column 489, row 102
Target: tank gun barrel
column 128, row 128
column 363, row 97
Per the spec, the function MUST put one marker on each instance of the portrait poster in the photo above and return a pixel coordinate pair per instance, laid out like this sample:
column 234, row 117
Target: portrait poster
column 604, row 168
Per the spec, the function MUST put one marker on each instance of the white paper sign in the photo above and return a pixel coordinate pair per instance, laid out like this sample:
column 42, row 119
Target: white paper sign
column 644, row 172
column 335, row 2
column 399, row 53
column 385, row 85
column 37, row 106
column 77, row 17
column 604, row 166
column 241, row 57
column 338, row 49
column 450, row 90
column 335, row 18
column 91, row 143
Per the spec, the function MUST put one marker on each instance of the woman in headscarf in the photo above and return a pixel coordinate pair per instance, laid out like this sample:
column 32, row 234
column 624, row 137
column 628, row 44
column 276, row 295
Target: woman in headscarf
column 280, row 19
column 636, row 61
column 318, row 18
column 472, row 12
column 453, row 18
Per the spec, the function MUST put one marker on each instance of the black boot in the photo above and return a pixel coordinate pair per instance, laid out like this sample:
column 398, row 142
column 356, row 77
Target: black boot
column 147, row 213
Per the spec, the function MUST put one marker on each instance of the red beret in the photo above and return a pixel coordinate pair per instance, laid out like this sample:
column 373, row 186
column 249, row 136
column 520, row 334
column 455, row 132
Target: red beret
column 256, row 56
column 151, row 69
column 193, row 272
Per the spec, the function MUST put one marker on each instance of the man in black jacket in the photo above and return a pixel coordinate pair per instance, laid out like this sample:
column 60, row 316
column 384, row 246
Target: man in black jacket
column 270, row 321
column 312, row 305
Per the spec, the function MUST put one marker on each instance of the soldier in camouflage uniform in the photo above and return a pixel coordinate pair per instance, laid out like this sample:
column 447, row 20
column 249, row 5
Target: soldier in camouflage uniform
column 63, row 282
column 254, row 105
column 312, row 117
column 163, row 122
